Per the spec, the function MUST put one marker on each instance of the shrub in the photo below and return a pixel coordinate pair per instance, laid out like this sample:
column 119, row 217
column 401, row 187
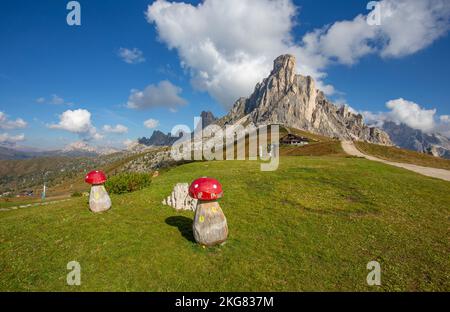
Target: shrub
column 127, row 182
column 76, row 194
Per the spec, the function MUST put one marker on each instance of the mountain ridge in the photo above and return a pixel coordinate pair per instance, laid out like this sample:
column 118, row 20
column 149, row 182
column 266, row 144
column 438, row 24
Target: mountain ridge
column 416, row 140
column 293, row 100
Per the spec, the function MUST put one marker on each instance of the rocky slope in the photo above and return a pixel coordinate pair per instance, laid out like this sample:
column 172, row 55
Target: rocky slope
column 416, row 140
column 293, row 100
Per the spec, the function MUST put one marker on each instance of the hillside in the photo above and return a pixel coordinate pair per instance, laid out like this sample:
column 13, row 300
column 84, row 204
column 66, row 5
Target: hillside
column 402, row 155
column 317, row 229
column 17, row 175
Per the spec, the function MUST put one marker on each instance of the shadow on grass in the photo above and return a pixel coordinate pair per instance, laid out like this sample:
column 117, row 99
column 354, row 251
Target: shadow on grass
column 184, row 225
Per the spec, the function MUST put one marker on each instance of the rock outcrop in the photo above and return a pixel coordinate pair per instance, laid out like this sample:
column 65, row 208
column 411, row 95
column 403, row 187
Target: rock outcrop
column 180, row 199
column 208, row 118
column 293, row 100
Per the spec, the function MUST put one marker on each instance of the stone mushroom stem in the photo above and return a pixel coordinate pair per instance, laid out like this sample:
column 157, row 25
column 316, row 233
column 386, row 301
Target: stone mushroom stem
column 210, row 225
column 99, row 199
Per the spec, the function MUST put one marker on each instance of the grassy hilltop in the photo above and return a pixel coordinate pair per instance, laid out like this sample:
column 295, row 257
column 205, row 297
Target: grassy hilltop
column 313, row 224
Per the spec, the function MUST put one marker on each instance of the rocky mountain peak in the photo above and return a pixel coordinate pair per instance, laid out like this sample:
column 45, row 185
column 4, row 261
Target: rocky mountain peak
column 290, row 99
column 208, row 118
column 284, row 67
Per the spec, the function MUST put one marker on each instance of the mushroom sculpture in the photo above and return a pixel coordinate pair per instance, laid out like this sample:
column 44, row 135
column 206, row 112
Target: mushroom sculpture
column 210, row 225
column 98, row 199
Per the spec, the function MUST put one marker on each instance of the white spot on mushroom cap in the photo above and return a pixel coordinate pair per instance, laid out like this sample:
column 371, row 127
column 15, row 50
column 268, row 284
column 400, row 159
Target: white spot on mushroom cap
column 196, row 186
column 214, row 186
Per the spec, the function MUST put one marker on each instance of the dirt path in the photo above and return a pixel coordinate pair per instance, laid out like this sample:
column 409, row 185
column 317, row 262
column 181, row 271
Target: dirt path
column 351, row 149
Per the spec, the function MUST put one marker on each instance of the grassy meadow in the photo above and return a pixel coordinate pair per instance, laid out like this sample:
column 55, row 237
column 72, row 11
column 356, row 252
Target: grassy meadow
column 311, row 225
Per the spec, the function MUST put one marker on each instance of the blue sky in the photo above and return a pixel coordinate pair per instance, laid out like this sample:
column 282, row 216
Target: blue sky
column 48, row 67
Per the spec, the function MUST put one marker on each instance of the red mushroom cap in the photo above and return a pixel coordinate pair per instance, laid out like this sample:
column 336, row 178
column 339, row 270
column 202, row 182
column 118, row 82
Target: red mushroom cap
column 205, row 189
column 95, row 177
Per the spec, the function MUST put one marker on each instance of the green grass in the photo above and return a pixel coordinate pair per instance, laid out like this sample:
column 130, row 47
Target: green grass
column 313, row 149
column 401, row 155
column 313, row 224
column 5, row 203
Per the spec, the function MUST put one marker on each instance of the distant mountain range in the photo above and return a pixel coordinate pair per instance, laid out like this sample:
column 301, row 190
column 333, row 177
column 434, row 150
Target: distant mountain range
column 158, row 138
column 76, row 149
column 406, row 137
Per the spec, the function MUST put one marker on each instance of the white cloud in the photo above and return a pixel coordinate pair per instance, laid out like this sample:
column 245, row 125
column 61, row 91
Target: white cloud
column 131, row 56
column 117, row 129
column 6, row 123
column 54, row 100
column 376, row 119
column 163, row 94
column 228, row 46
column 77, row 121
column 407, row 26
column 411, row 114
column 151, row 123
column 7, row 139
column 443, row 125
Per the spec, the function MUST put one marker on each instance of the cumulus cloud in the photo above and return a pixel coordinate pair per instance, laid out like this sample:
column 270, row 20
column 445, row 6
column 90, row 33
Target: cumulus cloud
column 117, row 129
column 406, row 26
column 7, row 139
column 412, row 115
column 7, row 124
column 228, row 46
column 131, row 56
column 163, row 94
column 443, row 125
column 77, row 121
column 151, row 123
column 375, row 119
